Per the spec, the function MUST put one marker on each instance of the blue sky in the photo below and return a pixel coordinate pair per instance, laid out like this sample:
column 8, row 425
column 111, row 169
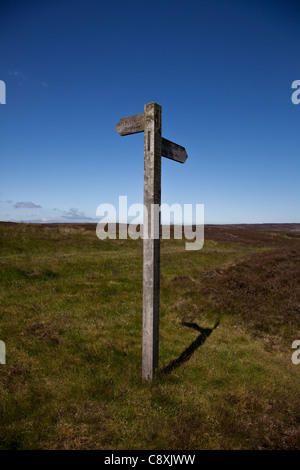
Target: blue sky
column 221, row 70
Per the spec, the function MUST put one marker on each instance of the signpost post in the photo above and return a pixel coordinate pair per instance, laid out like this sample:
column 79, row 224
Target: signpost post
column 155, row 147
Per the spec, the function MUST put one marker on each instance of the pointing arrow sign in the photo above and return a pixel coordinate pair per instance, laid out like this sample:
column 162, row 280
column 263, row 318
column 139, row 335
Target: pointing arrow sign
column 135, row 124
column 173, row 151
column 131, row 125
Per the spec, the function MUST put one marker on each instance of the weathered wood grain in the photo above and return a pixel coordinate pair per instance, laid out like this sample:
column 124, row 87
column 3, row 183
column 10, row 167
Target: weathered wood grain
column 131, row 125
column 173, row 151
column 155, row 147
column 151, row 241
column 2, row 353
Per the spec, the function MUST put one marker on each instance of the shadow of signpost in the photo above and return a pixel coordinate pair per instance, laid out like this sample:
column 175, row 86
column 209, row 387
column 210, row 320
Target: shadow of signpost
column 187, row 353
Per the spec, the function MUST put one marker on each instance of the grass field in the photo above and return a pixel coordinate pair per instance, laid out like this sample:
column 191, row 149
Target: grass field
column 71, row 318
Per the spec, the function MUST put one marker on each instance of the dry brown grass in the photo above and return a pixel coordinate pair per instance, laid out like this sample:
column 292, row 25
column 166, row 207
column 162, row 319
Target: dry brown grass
column 264, row 290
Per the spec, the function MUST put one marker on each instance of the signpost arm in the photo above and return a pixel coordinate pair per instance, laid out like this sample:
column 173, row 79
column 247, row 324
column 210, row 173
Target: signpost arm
column 151, row 241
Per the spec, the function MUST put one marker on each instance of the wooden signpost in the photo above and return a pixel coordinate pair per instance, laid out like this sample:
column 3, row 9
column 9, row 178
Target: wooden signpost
column 155, row 147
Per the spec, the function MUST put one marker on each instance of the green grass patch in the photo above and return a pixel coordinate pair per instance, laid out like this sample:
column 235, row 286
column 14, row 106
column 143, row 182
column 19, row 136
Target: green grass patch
column 71, row 317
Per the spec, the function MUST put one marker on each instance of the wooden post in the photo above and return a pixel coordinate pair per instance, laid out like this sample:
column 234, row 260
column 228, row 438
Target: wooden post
column 151, row 242
column 155, row 147
column 2, row 353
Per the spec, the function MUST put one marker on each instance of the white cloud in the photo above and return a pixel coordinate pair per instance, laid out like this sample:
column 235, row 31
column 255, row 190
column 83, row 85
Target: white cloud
column 27, row 205
column 74, row 214
column 16, row 73
column 55, row 215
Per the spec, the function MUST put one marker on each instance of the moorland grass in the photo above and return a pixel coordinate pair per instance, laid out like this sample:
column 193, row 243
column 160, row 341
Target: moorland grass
column 71, row 317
